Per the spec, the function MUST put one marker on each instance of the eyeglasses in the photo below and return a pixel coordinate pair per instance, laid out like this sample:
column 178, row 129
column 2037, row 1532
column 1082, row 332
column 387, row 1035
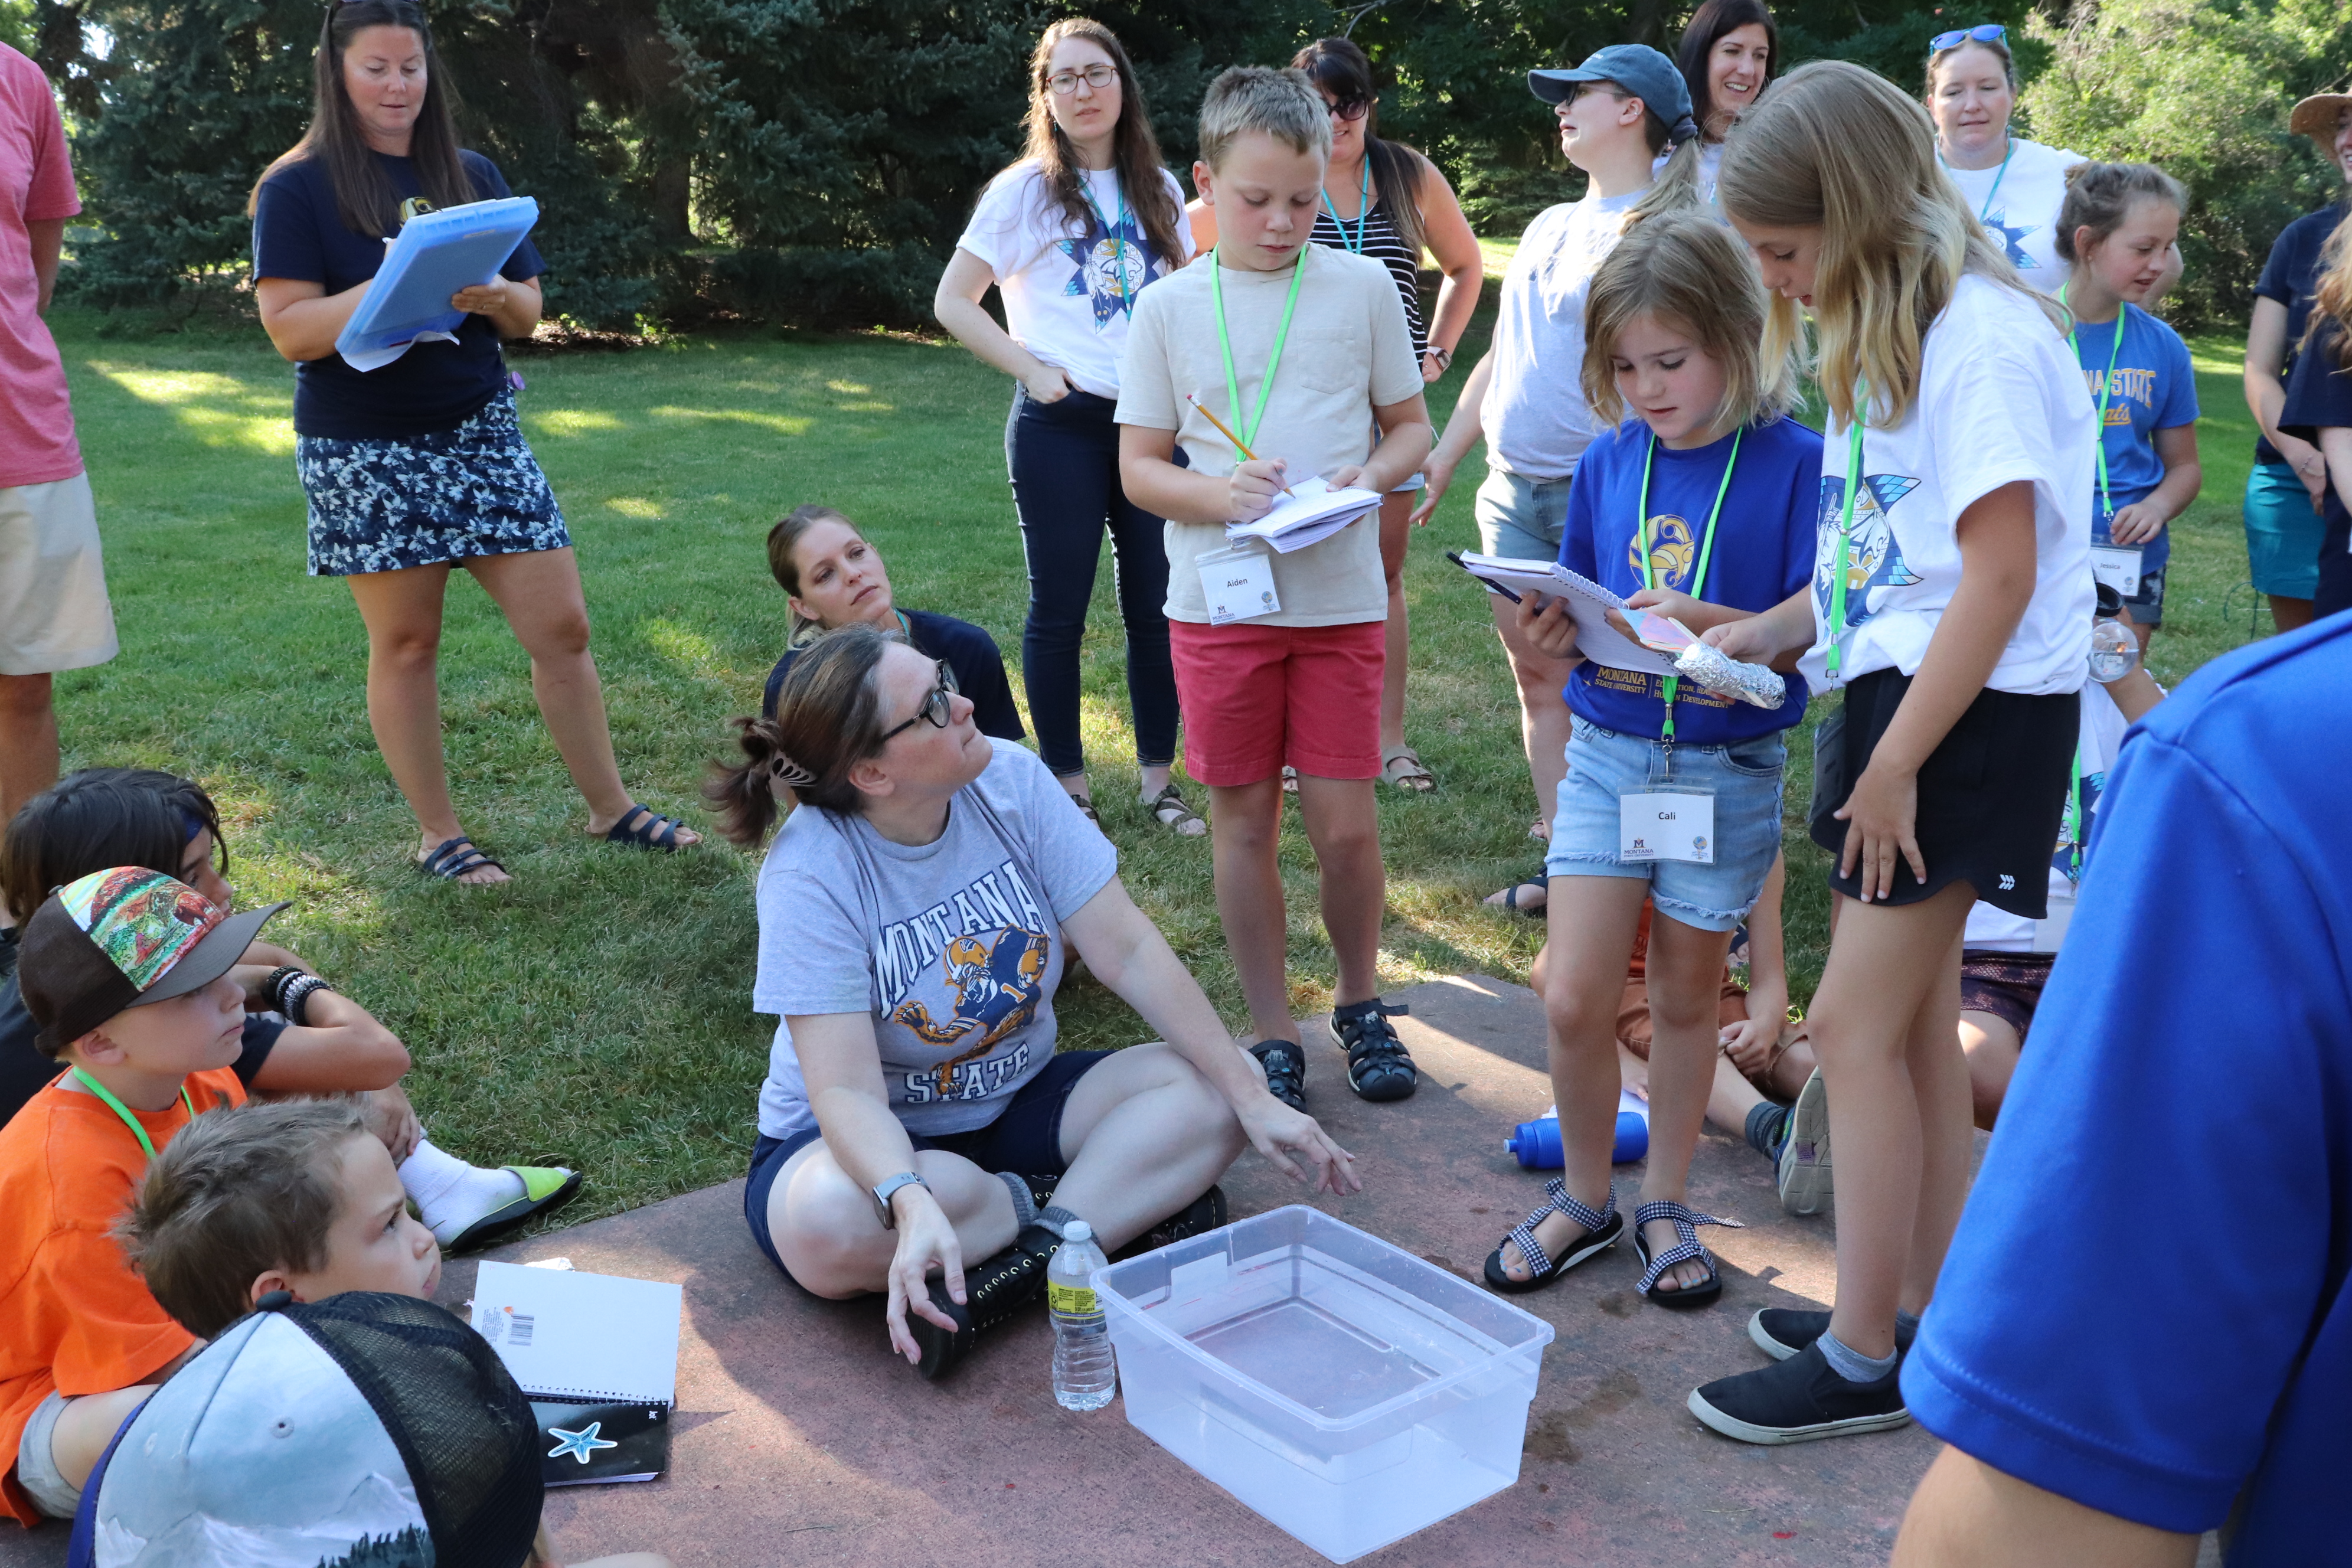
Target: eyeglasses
column 1097, row 76
column 1350, row 110
column 934, row 708
column 1989, row 33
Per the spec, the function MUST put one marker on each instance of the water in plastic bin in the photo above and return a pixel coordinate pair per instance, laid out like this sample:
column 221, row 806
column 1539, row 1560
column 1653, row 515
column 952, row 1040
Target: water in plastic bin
column 1537, row 1143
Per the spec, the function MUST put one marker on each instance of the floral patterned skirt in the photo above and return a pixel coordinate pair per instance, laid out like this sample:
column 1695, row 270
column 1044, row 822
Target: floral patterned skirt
column 422, row 501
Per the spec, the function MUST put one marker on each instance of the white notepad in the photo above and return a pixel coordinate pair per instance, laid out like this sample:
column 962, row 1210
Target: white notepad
column 1312, row 512
column 1587, row 600
column 582, row 1338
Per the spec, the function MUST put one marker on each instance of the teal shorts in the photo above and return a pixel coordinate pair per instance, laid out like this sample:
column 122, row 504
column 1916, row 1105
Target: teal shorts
column 2284, row 531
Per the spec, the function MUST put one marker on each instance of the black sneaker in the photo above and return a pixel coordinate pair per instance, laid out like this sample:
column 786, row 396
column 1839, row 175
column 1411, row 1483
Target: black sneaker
column 993, row 1290
column 1798, row 1401
column 1378, row 1067
column 1781, row 1331
column 1285, row 1070
column 1203, row 1215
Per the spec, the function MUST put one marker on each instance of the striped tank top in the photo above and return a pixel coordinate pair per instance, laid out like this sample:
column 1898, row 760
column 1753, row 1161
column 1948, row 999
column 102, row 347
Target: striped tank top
column 1385, row 245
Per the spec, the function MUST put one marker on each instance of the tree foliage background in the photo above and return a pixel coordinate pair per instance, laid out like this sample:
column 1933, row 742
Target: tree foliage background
column 815, row 160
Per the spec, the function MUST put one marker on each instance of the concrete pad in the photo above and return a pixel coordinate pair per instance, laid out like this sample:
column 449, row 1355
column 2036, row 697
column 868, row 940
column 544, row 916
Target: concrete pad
column 799, row 1439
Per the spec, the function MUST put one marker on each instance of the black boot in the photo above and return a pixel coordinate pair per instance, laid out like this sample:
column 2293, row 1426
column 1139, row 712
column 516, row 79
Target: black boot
column 1203, row 1215
column 993, row 1290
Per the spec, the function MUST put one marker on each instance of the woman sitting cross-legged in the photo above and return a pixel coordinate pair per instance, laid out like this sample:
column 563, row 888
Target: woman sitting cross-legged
column 916, row 914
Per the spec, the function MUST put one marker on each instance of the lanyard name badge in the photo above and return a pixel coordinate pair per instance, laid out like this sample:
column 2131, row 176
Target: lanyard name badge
column 2117, row 565
column 1238, row 582
column 1836, row 654
column 1664, row 820
column 1128, row 289
column 116, row 1106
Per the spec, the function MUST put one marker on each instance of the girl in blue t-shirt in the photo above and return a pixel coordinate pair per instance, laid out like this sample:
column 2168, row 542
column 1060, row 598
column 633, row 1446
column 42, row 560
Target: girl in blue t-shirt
column 2116, row 229
column 1701, row 504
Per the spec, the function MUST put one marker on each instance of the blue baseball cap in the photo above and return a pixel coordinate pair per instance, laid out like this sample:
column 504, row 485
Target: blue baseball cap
column 1640, row 71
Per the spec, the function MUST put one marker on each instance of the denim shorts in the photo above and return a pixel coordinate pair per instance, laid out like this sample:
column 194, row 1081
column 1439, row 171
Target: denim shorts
column 1746, row 780
column 1521, row 518
column 36, row 1465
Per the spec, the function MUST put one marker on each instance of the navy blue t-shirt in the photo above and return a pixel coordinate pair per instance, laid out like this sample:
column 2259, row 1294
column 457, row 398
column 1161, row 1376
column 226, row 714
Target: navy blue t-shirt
column 436, row 387
column 2145, row 1308
column 1763, row 552
column 972, row 656
column 2153, row 388
column 2319, row 394
column 2288, row 277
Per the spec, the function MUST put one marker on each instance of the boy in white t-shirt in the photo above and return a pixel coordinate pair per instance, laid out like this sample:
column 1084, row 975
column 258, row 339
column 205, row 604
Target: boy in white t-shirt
column 1301, row 374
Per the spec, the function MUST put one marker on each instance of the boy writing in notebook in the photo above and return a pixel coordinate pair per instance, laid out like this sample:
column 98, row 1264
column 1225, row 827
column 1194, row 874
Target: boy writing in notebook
column 1316, row 378
column 127, row 972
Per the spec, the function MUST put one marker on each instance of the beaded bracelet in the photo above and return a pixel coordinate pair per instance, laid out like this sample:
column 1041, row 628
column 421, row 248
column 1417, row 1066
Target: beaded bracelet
column 275, row 987
column 296, row 1005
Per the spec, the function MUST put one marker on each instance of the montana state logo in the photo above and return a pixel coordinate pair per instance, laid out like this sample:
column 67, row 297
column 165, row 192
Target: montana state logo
column 1672, row 552
column 998, row 979
column 1873, row 555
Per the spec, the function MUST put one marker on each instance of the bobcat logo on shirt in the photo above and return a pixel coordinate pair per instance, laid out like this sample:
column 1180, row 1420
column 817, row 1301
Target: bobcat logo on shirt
column 1113, row 268
column 1873, row 555
column 2008, row 240
column 982, row 957
column 1673, row 550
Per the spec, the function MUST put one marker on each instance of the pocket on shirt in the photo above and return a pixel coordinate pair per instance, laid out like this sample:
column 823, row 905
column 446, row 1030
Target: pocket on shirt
column 1332, row 363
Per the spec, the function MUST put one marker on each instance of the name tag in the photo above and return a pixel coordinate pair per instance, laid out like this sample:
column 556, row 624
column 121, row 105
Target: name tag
column 2117, row 565
column 1666, row 824
column 1238, row 583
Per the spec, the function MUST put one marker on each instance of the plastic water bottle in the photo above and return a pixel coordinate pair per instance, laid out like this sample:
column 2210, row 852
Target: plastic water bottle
column 2114, row 651
column 1536, row 1145
column 1084, row 1376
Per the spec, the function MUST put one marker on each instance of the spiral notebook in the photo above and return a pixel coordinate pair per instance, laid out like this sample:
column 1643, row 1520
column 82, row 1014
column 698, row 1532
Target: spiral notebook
column 598, row 1356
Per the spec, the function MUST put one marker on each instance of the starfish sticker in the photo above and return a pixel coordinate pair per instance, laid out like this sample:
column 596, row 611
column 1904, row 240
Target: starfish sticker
column 579, row 1444
column 1112, row 267
column 1999, row 232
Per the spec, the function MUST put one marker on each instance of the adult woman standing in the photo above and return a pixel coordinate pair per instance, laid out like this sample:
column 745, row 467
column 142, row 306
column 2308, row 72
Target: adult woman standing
column 915, row 1112
column 2014, row 186
column 1384, row 200
column 1728, row 56
column 2287, row 488
column 1069, row 236
column 421, row 466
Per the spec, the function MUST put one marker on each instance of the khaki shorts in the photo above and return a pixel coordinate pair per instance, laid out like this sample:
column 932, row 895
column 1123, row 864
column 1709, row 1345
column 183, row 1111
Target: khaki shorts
column 54, row 613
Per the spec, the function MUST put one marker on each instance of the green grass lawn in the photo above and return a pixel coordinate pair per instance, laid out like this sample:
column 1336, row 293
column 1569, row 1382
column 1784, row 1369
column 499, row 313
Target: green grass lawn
column 595, row 1011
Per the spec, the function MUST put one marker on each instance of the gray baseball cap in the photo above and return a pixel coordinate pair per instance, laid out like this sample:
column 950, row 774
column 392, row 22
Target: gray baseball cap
column 1639, row 69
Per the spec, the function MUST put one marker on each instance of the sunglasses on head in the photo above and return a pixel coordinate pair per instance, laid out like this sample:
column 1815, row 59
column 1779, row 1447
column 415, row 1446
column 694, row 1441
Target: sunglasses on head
column 1989, row 33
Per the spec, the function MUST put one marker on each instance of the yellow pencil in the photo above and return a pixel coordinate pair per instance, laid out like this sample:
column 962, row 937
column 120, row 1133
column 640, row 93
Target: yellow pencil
column 1239, row 445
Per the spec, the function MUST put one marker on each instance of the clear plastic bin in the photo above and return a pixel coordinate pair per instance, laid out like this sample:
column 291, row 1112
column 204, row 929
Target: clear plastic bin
column 1344, row 1389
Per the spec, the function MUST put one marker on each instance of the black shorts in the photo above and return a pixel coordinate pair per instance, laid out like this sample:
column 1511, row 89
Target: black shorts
column 1993, row 796
column 1025, row 1139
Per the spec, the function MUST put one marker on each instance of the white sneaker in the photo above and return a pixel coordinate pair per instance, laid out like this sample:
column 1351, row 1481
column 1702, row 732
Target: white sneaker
column 1803, row 1172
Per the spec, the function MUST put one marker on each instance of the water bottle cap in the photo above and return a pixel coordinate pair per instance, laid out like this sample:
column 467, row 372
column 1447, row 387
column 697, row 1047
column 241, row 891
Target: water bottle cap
column 1077, row 1230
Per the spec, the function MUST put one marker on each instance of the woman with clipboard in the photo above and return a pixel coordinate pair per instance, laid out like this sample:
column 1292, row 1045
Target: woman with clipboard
column 420, row 466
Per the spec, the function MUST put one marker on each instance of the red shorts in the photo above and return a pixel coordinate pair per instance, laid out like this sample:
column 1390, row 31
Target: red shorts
column 1255, row 697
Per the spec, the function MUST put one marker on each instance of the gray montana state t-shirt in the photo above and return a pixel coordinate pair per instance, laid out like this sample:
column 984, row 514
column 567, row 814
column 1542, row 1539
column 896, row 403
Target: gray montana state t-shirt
column 954, row 946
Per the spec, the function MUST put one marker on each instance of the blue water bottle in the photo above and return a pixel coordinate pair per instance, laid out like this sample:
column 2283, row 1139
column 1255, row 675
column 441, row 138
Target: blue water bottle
column 1536, row 1145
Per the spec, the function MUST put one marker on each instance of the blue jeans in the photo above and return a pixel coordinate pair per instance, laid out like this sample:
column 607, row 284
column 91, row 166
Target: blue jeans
column 1063, row 461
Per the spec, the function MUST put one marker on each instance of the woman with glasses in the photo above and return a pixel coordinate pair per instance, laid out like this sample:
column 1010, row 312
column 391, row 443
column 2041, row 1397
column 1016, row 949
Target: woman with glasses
column 1384, row 200
column 919, row 1135
column 1068, row 237
column 420, row 464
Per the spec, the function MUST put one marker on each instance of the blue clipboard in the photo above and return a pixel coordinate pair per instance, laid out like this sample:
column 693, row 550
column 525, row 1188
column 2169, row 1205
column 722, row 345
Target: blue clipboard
column 435, row 255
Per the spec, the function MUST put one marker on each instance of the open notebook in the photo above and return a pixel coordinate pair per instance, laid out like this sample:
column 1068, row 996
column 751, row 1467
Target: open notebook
column 1587, row 600
column 1313, row 512
column 598, row 1356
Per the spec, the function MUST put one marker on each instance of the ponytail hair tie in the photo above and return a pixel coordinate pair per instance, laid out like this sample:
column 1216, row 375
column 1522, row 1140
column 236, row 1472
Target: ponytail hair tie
column 1682, row 130
column 786, row 771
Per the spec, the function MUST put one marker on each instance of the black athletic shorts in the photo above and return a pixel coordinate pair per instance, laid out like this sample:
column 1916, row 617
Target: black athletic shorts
column 1993, row 796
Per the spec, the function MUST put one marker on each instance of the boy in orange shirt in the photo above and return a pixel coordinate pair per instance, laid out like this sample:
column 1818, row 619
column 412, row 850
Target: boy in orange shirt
column 128, row 974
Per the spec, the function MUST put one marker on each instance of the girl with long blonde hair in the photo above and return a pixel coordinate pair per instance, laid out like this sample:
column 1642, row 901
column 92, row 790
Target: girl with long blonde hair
column 2318, row 409
column 1951, row 600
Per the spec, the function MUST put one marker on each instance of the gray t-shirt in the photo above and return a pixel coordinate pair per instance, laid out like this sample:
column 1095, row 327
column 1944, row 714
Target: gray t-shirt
column 955, row 946
column 1537, row 422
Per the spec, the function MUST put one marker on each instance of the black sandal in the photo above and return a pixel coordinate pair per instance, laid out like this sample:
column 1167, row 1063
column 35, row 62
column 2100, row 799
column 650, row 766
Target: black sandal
column 453, row 857
column 1379, row 1067
column 1686, row 1224
column 1602, row 1229
column 652, row 830
column 1285, row 1070
column 1169, row 810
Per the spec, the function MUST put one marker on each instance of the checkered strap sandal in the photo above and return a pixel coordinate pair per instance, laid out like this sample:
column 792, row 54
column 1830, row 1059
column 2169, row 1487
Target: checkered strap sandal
column 1603, row 1226
column 1686, row 1223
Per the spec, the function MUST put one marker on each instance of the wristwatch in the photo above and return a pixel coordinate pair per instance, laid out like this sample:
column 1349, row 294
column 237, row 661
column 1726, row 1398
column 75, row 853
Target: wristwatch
column 889, row 1185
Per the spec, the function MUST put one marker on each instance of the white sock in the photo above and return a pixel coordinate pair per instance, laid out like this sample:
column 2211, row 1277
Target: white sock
column 449, row 1194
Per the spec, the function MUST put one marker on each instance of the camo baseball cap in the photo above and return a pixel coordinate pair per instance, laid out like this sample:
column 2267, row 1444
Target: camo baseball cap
column 123, row 938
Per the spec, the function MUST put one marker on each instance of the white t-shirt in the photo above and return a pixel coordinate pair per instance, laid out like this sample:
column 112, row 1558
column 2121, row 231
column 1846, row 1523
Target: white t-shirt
column 2100, row 738
column 2000, row 400
column 2018, row 208
column 1069, row 296
column 1350, row 351
column 1535, row 416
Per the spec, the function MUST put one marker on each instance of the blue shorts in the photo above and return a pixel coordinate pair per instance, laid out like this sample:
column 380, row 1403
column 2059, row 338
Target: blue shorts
column 1746, row 779
column 2283, row 533
column 1025, row 1139
column 1521, row 518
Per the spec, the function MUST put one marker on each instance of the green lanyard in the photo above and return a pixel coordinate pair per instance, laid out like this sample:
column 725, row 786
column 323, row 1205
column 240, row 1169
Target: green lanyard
column 1845, row 527
column 1118, row 241
column 2074, row 817
column 2007, row 151
column 1705, row 550
column 1247, row 429
column 122, row 1111
column 2107, row 384
column 1363, row 210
